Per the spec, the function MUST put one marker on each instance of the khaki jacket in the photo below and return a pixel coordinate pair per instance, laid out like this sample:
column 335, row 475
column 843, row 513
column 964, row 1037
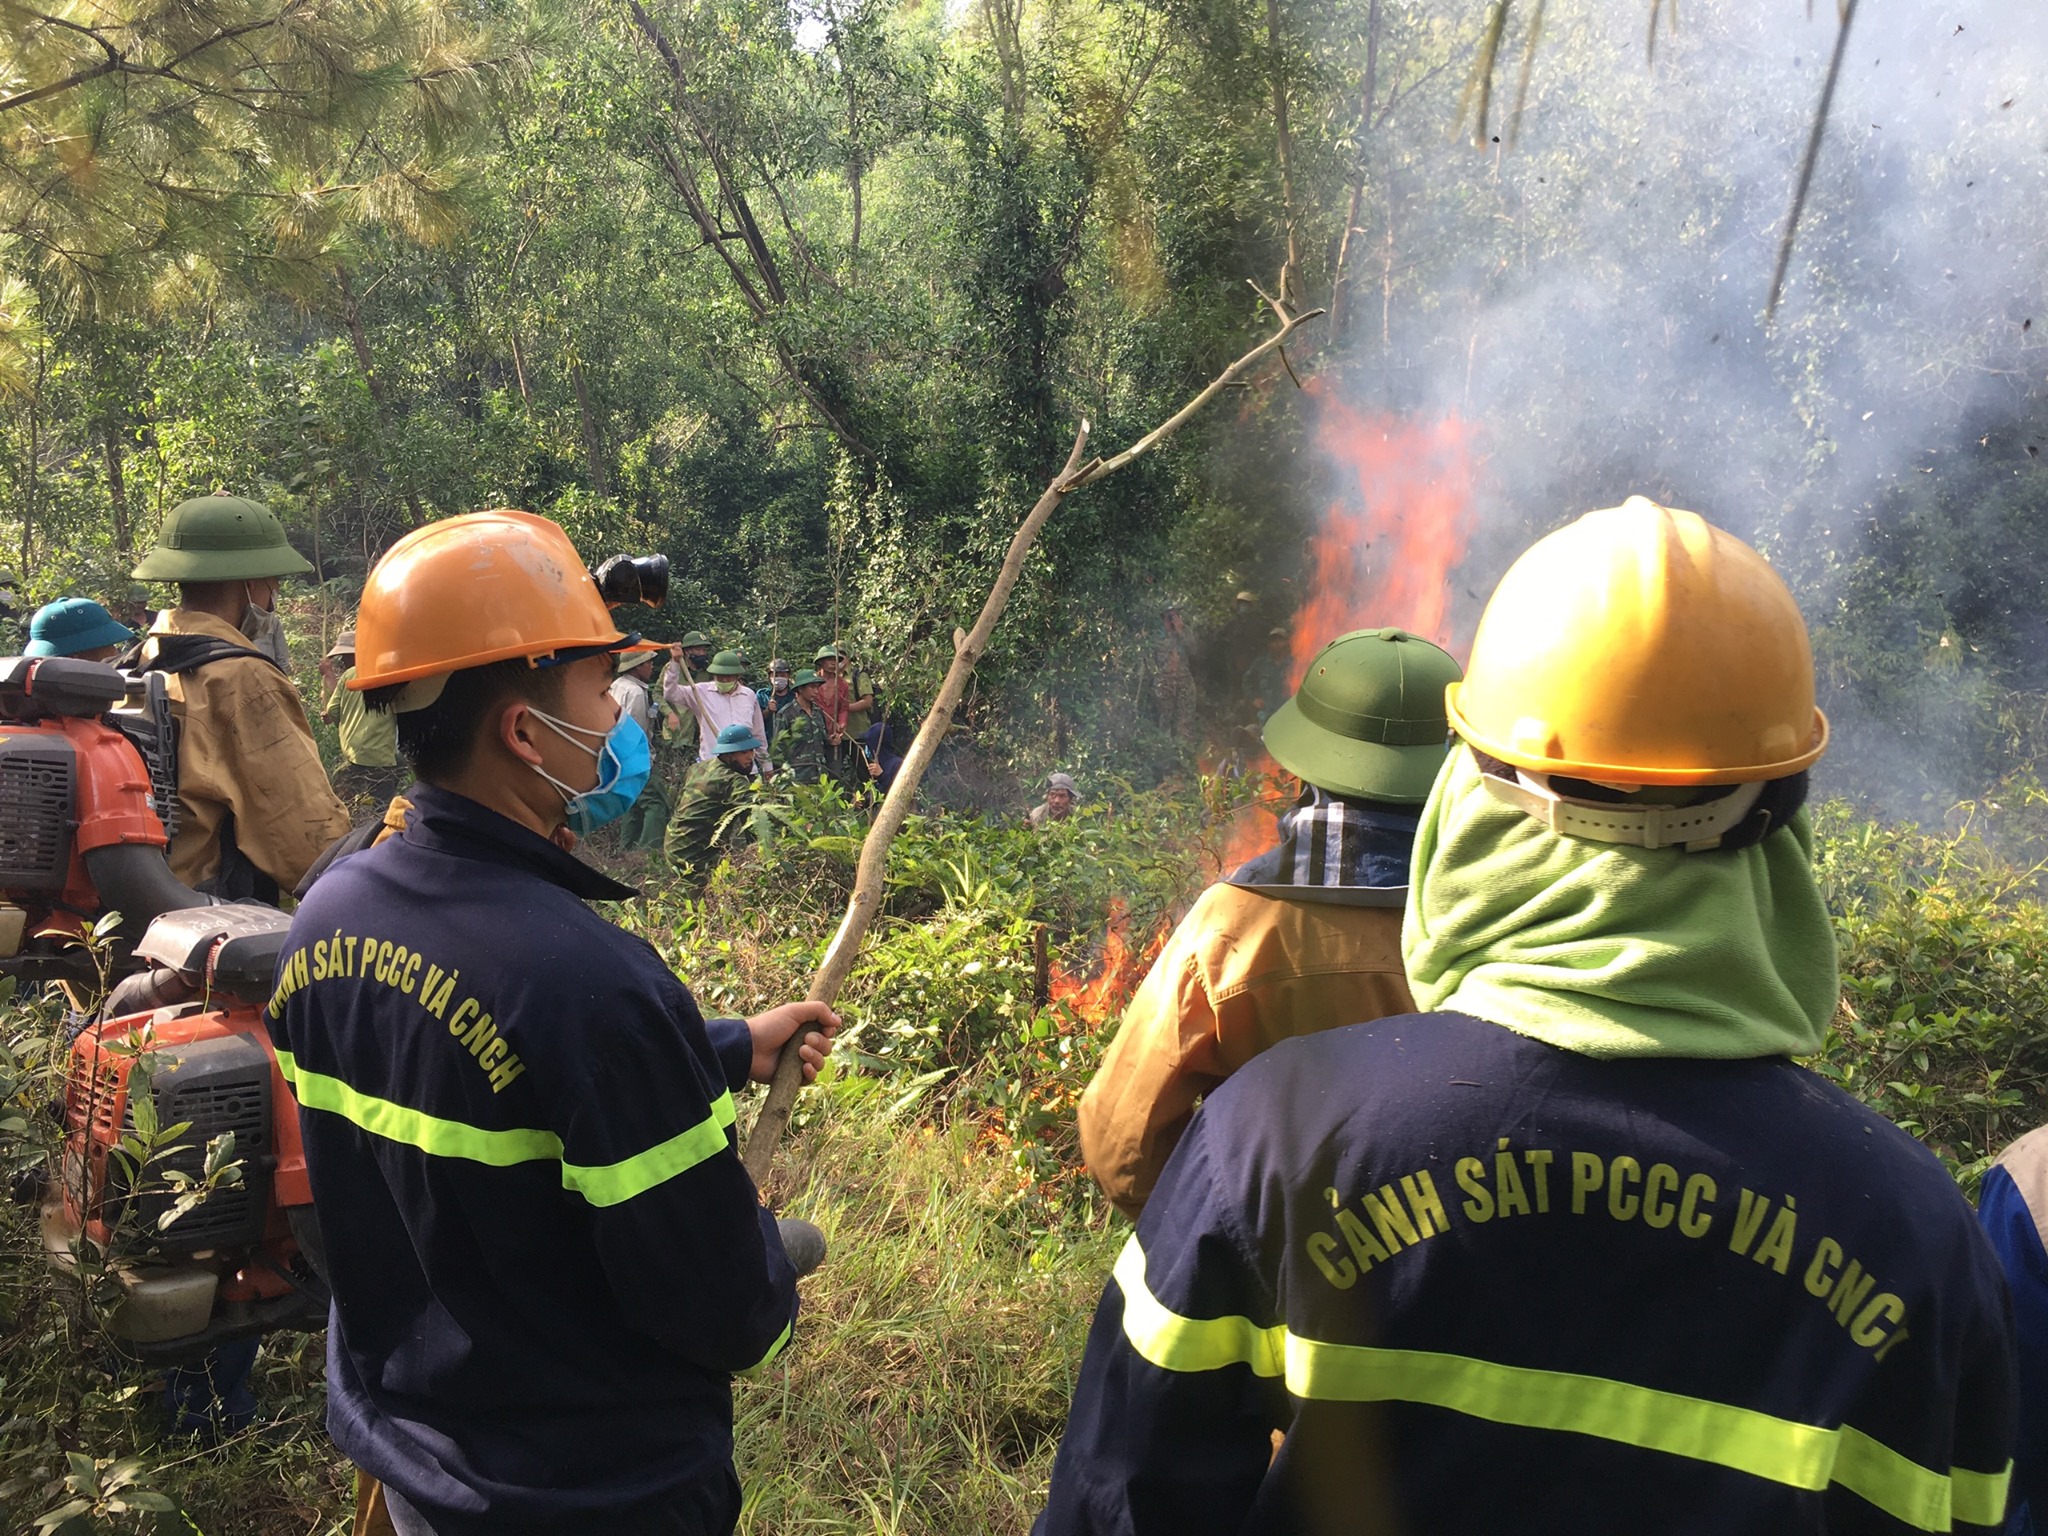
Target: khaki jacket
column 368, row 737
column 1241, row 972
column 245, row 748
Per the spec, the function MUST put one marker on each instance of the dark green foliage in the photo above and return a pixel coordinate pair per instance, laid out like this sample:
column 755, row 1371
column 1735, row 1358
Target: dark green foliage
column 1932, row 661
column 1943, row 987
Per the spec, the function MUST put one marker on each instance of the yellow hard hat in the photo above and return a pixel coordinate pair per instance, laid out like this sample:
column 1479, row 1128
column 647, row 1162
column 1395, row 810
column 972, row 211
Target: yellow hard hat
column 1641, row 645
column 474, row 589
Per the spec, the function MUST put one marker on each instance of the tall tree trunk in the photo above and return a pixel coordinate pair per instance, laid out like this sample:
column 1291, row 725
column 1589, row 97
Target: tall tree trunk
column 1340, row 282
column 1290, row 273
column 854, row 167
column 593, row 439
column 519, row 371
column 1387, row 278
column 1005, row 19
column 32, row 479
column 853, row 247
column 117, row 486
column 352, row 314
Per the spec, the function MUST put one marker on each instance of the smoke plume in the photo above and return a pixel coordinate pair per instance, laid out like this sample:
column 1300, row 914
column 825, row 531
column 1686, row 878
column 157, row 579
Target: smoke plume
column 1584, row 311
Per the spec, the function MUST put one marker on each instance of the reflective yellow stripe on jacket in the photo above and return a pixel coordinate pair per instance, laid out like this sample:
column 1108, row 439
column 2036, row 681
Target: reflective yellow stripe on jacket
column 1741, row 1439
column 600, row 1184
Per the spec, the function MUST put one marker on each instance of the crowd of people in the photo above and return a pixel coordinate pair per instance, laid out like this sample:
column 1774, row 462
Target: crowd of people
column 715, row 738
column 1473, row 1179
column 710, row 734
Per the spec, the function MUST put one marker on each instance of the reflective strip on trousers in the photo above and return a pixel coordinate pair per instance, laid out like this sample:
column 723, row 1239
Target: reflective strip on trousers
column 774, row 1349
column 600, row 1184
column 1741, row 1439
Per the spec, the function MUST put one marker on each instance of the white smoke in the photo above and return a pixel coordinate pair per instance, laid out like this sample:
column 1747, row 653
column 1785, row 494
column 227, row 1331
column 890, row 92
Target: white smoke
column 1592, row 299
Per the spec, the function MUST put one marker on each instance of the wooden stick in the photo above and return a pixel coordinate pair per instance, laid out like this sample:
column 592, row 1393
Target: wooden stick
column 968, row 649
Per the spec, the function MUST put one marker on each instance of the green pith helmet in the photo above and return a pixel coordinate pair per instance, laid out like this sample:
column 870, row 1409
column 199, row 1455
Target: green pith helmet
column 1368, row 720
column 628, row 660
column 805, row 678
column 220, row 538
column 727, row 664
column 694, row 639
column 829, row 653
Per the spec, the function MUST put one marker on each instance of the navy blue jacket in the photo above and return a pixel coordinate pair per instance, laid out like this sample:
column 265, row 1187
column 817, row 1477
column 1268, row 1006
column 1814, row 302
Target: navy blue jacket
column 546, row 1256
column 2011, row 1206
column 1486, row 1285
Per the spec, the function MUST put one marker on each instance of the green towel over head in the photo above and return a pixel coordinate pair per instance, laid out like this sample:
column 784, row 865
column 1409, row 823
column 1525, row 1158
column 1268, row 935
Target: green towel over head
column 1609, row 950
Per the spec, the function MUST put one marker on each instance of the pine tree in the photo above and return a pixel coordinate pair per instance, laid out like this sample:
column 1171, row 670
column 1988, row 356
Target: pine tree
column 146, row 145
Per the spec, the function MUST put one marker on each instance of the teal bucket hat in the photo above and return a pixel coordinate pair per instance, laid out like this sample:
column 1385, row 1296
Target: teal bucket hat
column 72, row 625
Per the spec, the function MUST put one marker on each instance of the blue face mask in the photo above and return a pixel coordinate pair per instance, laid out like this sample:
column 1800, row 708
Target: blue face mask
column 623, row 764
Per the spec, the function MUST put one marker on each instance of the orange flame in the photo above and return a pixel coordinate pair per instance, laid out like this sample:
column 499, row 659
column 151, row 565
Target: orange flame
column 1386, row 551
column 1097, row 999
column 1249, row 834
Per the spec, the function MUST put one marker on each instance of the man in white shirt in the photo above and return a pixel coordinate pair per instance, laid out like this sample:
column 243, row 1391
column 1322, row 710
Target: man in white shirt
column 645, row 824
column 717, row 703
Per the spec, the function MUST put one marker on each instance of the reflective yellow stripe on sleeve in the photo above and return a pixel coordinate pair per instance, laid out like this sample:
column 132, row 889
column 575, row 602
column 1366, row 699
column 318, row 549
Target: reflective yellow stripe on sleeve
column 600, row 1184
column 610, row 1183
column 1741, row 1439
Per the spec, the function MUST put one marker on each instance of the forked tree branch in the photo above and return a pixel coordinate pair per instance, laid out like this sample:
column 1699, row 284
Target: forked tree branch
column 968, row 649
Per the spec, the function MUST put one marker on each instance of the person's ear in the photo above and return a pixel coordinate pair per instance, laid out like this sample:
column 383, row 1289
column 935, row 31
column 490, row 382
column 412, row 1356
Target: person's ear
column 518, row 731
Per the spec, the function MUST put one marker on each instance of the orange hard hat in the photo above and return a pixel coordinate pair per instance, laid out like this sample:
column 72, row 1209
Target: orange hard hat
column 1642, row 645
column 474, row 589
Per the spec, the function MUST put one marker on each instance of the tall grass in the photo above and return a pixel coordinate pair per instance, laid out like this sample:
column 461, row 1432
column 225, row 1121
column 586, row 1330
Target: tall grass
column 930, row 1373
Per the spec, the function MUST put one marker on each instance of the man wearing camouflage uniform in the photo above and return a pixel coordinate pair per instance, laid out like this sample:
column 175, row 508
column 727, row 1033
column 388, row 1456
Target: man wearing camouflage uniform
column 708, row 820
column 802, row 748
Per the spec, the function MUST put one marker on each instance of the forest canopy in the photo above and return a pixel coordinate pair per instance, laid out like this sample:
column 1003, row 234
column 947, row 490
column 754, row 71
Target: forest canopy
column 810, row 298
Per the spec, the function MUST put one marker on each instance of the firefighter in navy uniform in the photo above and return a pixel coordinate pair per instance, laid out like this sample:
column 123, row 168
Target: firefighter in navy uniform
column 547, row 1259
column 1580, row 1249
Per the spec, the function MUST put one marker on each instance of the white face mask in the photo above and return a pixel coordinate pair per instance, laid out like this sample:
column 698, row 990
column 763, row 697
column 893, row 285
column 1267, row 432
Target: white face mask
column 569, row 733
column 259, row 622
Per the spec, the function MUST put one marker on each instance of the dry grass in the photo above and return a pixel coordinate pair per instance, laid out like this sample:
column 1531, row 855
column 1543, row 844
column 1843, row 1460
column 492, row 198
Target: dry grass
column 933, row 1365
column 924, row 1392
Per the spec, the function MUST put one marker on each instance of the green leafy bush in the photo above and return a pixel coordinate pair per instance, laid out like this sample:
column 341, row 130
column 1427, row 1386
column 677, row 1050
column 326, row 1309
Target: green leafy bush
column 1942, row 942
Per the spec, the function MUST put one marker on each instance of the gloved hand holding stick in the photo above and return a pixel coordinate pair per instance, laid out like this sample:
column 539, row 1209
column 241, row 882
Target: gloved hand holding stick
column 968, row 649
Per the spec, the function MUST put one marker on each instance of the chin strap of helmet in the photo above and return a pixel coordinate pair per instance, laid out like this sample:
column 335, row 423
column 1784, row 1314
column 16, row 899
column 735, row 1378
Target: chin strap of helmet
column 1730, row 816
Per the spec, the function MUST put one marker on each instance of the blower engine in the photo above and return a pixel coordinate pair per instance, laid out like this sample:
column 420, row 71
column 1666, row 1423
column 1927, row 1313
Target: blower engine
column 87, row 777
